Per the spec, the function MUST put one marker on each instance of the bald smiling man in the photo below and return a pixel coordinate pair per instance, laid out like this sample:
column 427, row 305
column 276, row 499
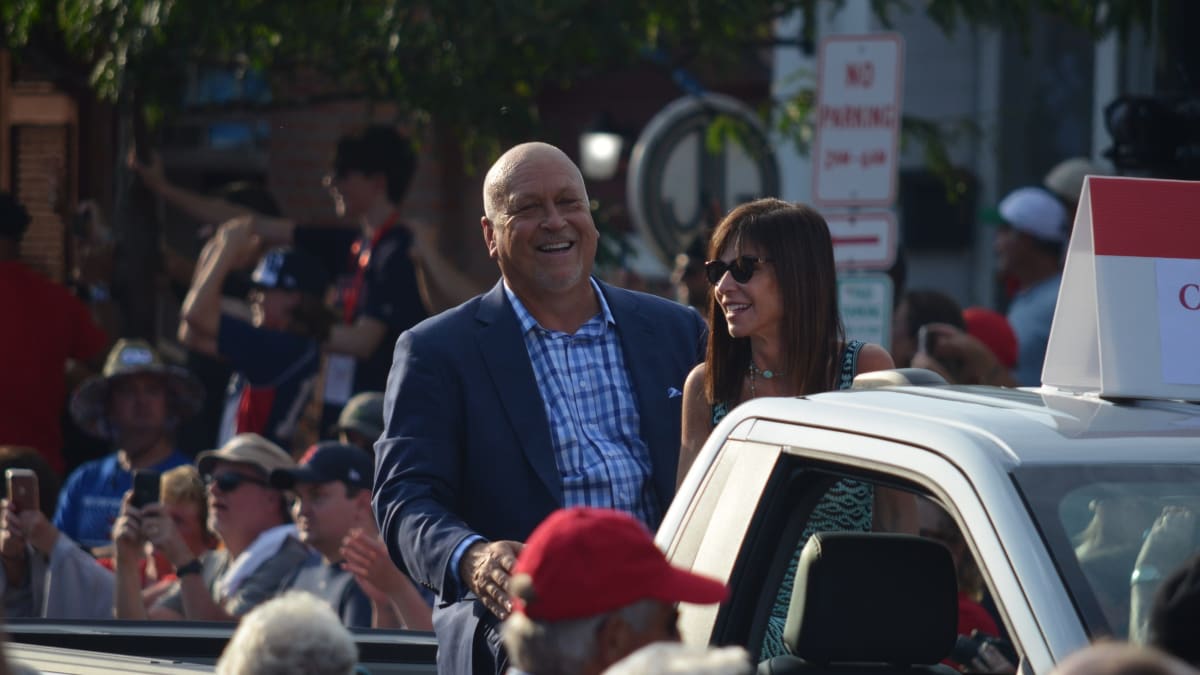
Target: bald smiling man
column 550, row 390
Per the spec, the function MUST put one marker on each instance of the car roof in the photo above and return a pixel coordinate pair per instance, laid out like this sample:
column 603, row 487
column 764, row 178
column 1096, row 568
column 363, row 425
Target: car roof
column 1015, row 426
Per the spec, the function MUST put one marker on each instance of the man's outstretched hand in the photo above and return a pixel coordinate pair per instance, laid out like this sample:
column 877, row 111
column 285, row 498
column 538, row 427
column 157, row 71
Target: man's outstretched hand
column 486, row 568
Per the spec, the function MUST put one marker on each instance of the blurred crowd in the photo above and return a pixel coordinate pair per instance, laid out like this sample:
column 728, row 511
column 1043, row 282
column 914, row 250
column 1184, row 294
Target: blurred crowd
column 262, row 472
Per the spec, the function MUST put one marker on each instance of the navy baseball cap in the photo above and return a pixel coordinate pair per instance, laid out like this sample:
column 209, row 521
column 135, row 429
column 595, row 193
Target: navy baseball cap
column 287, row 269
column 327, row 462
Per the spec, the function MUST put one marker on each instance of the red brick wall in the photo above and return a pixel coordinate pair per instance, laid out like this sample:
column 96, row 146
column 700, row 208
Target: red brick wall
column 40, row 152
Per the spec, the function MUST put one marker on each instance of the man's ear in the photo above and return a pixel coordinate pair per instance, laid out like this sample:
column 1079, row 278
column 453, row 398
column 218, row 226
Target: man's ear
column 614, row 641
column 489, row 237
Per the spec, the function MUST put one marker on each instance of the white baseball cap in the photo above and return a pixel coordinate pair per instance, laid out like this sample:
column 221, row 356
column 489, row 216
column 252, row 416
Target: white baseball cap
column 1036, row 212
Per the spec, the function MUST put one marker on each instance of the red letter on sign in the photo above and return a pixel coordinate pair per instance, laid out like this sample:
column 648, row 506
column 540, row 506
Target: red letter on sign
column 1183, row 296
column 860, row 74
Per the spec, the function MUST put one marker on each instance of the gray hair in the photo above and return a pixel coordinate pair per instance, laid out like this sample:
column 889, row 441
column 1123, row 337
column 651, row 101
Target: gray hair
column 673, row 658
column 294, row 633
column 565, row 647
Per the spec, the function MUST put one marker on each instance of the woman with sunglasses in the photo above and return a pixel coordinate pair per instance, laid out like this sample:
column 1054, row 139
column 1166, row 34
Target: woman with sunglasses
column 776, row 331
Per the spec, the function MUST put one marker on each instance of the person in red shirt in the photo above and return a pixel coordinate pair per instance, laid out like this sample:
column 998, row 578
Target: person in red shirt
column 45, row 327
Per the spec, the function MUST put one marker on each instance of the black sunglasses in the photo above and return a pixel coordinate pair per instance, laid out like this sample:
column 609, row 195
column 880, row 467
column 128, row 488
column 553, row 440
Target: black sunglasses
column 742, row 268
column 230, row 480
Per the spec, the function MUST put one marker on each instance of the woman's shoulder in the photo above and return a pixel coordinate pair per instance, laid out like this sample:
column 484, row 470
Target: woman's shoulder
column 873, row 357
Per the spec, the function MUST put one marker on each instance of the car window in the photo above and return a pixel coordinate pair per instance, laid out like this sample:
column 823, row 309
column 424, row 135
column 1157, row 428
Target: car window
column 1116, row 533
column 802, row 498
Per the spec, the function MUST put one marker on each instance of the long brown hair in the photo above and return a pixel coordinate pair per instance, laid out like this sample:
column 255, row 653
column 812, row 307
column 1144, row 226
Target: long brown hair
column 797, row 240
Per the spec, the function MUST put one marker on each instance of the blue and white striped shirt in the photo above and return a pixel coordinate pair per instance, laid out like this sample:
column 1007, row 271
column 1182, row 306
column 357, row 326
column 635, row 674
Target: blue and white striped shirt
column 593, row 413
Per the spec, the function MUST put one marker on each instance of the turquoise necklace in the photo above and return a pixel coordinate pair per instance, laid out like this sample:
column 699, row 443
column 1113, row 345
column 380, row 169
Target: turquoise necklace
column 755, row 372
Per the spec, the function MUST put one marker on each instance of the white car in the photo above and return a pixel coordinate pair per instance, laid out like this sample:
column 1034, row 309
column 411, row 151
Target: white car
column 1053, row 493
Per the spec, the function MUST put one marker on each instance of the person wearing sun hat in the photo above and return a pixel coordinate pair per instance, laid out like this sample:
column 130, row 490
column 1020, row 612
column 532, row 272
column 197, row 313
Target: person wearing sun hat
column 1029, row 246
column 261, row 547
column 136, row 403
column 590, row 587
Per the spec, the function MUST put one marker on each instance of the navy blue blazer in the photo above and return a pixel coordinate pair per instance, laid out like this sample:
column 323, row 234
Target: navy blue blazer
column 466, row 446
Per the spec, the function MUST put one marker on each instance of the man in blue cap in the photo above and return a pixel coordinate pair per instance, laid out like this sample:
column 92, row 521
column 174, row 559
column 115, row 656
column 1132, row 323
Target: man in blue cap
column 274, row 345
column 332, row 489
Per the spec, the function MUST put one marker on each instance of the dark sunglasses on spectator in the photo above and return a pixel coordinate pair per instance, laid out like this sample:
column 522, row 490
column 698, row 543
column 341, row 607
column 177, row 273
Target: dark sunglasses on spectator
column 230, row 481
column 742, row 268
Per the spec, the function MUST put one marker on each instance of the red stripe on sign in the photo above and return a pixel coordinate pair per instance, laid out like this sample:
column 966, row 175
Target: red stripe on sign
column 1146, row 218
column 853, row 241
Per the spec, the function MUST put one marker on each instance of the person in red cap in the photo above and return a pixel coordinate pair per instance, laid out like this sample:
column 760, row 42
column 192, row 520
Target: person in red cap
column 985, row 353
column 590, row 587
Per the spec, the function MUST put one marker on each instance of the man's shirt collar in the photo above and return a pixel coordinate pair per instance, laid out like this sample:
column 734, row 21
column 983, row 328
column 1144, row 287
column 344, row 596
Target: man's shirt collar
column 528, row 322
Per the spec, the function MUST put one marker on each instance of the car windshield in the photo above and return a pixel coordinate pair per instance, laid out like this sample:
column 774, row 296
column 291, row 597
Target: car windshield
column 1115, row 532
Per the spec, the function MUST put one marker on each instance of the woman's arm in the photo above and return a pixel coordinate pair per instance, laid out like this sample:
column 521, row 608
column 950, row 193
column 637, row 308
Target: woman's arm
column 697, row 421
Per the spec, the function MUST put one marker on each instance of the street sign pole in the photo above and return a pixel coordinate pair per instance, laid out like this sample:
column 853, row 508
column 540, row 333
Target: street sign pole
column 855, row 172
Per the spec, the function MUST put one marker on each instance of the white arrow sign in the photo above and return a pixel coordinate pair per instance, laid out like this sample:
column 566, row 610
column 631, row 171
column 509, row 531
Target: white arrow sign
column 863, row 241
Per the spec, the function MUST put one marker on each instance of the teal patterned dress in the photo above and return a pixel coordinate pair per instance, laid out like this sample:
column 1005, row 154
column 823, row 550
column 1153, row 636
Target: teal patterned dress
column 846, row 506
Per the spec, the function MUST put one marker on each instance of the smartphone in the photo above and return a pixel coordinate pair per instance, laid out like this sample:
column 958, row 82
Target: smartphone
column 22, row 485
column 145, row 488
column 926, row 341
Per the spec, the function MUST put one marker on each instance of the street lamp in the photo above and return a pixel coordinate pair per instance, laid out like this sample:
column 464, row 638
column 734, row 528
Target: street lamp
column 600, row 148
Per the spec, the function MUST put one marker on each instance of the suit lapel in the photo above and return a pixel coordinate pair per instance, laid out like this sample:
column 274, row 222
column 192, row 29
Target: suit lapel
column 649, row 375
column 503, row 348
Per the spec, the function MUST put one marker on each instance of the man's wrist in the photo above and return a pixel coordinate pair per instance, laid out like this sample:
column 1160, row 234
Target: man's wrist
column 193, row 566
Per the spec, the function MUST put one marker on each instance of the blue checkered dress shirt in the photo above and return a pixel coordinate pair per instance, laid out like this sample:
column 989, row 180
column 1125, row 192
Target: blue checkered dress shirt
column 593, row 413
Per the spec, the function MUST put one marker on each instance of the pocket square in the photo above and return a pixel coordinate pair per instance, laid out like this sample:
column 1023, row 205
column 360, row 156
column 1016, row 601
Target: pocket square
column 672, row 392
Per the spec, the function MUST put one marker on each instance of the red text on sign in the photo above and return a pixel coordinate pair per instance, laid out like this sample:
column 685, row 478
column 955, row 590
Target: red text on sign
column 861, row 74
column 836, row 158
column 1189, row 297
column 857, row 116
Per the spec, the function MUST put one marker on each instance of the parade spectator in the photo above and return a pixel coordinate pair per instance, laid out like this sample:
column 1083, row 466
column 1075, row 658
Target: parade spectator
column 993, row 330
column 65, row 582
column 293, row 634
column 275, row 352
column 201, row 432
column 361, row 422
column 916, row 309
column 46, row 574
column 1174, row 614
column 1065, row 181
column 1164, row 589
column 332, row 488
column 691, row 288
column 48, row 329
column 936, row 524
column 551, row 389
column 776, row 331
column 379, row 285
column 672, row 658
column 367, row 559
column 260, row 546
column 183, row 498
column 1029, row 248
column 1121, row 658
column 136, row 403
column 590, row 588
column 24, row 457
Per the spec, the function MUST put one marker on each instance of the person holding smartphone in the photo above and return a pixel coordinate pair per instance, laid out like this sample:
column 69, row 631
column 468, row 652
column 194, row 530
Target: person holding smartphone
column 136, row 403
column 45, row 574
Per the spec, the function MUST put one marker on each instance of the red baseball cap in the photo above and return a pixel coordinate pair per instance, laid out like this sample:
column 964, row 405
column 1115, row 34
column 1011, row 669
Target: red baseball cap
column 993, row 330
column 584, row 561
